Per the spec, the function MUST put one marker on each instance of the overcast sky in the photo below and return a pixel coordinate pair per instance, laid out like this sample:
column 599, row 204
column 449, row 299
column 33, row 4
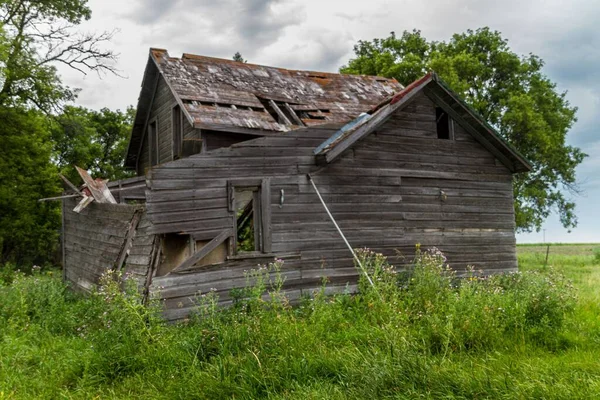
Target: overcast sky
column 319, row 35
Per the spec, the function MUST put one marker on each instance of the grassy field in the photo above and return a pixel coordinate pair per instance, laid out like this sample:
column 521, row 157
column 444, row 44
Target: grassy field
column 535, row 334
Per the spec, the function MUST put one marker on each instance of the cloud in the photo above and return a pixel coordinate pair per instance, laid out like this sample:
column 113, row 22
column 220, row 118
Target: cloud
column 151, row 11
column 220, row 27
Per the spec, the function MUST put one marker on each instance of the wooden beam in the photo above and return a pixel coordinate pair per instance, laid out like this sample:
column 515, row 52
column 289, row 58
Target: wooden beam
column 280, row 113
column 152, row 267
column 203, row 252
column 128, row 242
column 83, row 204
column 67, row 196
column 295, row 116
column 69, row 184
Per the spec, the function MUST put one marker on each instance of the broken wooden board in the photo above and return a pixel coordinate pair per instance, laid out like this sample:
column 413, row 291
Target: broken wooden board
column 100, row 192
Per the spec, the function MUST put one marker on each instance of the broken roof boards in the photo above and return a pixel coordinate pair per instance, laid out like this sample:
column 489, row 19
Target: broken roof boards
column 227, row 95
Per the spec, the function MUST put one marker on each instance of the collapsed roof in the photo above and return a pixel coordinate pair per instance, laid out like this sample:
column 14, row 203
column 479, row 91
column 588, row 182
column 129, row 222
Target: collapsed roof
column 227, row 95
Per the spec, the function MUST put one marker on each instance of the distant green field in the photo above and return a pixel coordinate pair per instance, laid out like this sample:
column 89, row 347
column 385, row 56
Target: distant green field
column 580, row 249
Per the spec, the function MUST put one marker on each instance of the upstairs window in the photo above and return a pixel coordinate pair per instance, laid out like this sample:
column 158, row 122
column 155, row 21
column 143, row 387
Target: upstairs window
column 153, row 143
column 442, row 124
column 177, row 131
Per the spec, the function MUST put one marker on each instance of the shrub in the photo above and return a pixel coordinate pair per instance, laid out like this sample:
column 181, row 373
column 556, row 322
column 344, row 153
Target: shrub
column 476, row 312
column 122, row 330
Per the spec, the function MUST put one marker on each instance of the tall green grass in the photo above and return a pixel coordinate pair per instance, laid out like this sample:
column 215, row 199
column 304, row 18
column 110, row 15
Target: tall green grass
column 422, row 333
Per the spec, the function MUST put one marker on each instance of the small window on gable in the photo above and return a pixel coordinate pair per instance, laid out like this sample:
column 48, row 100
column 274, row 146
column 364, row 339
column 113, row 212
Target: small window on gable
column 177, row 132
column 153, row 143
column 250, row 203
column 442, row 123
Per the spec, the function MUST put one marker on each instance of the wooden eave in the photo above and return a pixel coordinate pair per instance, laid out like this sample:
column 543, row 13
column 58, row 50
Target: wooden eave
column 145, row 100
column 443, row 97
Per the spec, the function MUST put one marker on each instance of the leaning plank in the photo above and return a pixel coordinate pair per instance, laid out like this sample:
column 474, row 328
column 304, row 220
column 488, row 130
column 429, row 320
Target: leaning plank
column 128, row 242
column 280, row 113
column 83, row 203
column 69, row 184
column 210, row 246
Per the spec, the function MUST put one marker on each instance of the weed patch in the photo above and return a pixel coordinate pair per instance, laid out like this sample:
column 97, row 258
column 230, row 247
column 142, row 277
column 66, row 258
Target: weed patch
column 419, row 333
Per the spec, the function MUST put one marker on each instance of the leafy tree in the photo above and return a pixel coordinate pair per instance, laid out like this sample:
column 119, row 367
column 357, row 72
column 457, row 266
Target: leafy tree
column 510, row 91
column 93, row 140
column 28, row 229
column 35, row 36
column 238, row 57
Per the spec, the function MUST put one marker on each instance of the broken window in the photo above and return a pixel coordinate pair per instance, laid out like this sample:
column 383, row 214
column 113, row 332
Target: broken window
column 247, row 212
column 442, row 123
column 153, row 143
column 250, row 203
column 177, row 132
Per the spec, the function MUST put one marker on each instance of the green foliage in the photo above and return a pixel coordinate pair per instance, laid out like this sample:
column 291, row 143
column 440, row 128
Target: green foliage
column 510, row 91
column 35, row 35
column 93, row 140
column 433, row 336
column 28, row 229
column 238, row 57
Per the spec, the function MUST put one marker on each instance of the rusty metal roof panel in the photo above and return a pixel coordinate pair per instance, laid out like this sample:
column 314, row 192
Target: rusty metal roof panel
column 201, row 81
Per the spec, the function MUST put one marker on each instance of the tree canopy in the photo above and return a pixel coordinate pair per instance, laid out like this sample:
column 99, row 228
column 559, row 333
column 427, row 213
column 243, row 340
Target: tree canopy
column 510, row 91
column 37, row 35
column 238, row 57
column 36, row 134
column 93, row 140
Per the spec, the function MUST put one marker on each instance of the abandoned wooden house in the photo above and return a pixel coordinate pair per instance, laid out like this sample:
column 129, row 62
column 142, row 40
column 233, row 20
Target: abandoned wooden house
column 229, row 156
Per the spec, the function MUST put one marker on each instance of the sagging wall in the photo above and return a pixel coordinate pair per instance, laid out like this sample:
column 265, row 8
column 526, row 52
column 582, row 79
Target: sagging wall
column 399, row 186
column 95, row 238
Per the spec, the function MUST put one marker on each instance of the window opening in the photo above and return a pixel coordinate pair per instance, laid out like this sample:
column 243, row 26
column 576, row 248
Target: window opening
column 247, row 211
column 153, row 143
column 177, row 132
column 442, row 124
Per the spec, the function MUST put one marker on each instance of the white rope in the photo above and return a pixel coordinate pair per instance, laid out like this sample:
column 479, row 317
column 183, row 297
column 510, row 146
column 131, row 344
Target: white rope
column 340, row 231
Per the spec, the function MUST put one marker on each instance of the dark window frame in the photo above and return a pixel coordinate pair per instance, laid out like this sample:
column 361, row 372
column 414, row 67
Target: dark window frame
column 444, row 124
column 153, row 150
column 177, row 131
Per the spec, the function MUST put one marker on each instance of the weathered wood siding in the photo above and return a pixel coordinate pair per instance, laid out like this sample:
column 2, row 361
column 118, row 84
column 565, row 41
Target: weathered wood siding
column 94, row 239
column 399, row 186
column 128, row 190
column 161, row 112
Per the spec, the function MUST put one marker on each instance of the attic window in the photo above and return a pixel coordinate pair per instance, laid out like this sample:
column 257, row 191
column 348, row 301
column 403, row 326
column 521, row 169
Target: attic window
column 442, row 124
